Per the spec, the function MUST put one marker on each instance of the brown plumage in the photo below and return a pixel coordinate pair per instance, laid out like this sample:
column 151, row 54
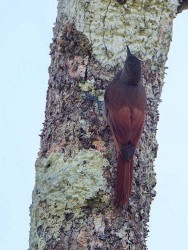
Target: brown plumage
column 125, row 104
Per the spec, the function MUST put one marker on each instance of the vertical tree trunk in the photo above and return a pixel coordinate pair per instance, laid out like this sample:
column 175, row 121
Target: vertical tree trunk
column 73, row 199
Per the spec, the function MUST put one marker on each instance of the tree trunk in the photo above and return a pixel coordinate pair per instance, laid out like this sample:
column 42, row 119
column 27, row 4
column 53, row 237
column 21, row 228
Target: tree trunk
column 73, row 198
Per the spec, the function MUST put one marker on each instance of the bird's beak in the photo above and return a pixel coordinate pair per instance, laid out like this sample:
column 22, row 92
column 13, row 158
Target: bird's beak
column 128, row 51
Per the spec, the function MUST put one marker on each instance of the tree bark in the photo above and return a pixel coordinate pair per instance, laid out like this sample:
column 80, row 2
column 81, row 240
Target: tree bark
column 73, row 198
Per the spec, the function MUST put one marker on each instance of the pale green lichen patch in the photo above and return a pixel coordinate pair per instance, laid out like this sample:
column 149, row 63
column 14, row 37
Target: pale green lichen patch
column 64, row 187
column 110, row 26
column 89, row 86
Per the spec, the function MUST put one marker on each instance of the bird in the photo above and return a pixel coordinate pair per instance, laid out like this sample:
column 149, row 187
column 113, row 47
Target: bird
column 125, row 110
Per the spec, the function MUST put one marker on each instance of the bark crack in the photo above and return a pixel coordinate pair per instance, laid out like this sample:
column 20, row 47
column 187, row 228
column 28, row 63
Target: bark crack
column 104, row 20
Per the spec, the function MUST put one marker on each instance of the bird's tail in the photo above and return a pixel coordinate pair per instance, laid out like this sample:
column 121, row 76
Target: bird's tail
column 123, row 180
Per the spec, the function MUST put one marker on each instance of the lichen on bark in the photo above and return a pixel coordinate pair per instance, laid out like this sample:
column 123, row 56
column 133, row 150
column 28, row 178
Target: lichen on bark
column 87, row 49
column 62, row 188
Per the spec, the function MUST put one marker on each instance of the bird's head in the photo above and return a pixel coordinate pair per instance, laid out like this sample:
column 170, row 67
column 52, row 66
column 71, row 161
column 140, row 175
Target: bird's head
column 132, row 68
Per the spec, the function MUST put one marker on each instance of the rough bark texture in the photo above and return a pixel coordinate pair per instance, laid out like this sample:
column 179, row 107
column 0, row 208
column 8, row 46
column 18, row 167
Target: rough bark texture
column 73, row 199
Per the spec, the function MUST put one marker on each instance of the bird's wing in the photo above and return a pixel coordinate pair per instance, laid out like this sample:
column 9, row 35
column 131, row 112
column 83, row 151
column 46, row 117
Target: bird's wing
column 126, row 124
column 138, row 117
column 120, row 122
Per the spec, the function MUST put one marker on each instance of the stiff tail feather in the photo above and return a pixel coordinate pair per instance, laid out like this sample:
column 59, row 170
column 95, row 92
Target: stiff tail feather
column 124, row 178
